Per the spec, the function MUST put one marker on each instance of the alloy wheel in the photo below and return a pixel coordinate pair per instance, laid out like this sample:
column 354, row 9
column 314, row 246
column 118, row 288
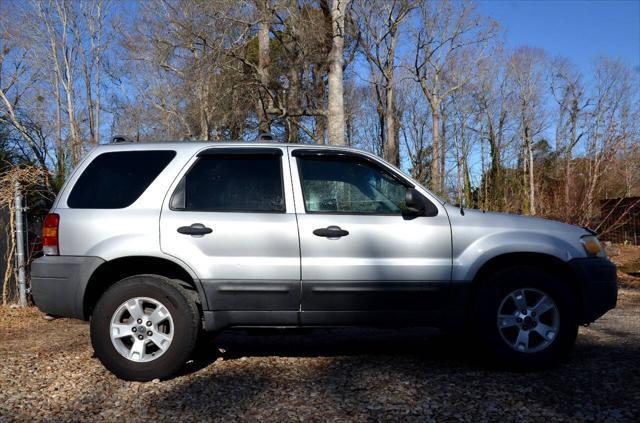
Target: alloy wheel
column 528, row 320
column 141, row 329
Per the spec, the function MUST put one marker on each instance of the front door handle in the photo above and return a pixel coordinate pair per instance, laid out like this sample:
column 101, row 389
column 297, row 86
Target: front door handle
column 331, row 232
column 195, row 230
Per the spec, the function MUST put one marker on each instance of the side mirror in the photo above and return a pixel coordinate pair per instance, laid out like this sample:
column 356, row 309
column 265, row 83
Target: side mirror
column 415, row 202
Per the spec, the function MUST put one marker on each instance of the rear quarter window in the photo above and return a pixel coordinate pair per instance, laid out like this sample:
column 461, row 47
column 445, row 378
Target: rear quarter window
column 116, row 180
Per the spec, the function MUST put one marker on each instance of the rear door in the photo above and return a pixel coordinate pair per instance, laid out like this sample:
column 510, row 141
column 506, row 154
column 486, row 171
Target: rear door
column 230, row 216
column 363, row 258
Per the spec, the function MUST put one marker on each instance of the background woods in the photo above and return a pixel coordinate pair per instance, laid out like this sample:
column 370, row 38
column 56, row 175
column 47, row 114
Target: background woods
column 430, row 86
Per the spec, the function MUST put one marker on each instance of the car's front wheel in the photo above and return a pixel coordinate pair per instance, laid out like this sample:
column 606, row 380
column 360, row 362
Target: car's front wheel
column 145, row 327
column 526, row 317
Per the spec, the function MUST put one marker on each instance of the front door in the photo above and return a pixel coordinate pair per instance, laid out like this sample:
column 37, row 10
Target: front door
column 363, row 256
column 231, row 219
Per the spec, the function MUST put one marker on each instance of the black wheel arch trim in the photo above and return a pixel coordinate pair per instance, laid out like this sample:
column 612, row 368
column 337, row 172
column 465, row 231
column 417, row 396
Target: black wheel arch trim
column 592, row 279
column 112, row 271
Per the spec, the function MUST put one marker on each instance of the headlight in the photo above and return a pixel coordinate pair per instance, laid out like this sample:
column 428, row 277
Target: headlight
column 592, row 246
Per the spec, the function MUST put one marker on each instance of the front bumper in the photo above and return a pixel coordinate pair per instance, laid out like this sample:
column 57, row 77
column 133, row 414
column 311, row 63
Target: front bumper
column 58, row 283
column 597, row 278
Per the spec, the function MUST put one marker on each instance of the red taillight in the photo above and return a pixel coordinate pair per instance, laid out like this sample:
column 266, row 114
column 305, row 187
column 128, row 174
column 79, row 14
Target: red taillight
column 50, row 245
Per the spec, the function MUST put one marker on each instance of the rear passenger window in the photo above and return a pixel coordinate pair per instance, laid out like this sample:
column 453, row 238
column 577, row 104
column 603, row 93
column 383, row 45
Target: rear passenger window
column 234, row 182
column 115, row 180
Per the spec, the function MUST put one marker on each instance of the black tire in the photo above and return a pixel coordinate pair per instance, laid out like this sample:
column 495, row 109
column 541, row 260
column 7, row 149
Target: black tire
column 484, row 320
column 186, row 327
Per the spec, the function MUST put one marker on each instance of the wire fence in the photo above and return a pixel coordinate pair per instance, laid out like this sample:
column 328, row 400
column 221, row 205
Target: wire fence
column 620, row 222
column 628, row 233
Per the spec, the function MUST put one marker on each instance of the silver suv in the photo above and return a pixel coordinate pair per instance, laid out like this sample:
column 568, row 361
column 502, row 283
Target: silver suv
column 155, row 243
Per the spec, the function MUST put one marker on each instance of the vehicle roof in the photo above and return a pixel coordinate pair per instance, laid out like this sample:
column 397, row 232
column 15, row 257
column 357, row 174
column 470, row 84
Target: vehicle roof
column 197, row 145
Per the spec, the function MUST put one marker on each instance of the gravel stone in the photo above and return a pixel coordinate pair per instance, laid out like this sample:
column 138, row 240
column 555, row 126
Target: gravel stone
column 48, row 372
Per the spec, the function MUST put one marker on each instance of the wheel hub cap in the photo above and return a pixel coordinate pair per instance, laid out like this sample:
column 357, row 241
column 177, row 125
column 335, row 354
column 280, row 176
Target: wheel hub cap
column 141, row 329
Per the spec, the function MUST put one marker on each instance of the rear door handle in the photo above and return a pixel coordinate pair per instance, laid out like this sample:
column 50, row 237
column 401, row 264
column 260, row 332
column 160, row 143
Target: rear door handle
column 195, row 230
column 331, row 232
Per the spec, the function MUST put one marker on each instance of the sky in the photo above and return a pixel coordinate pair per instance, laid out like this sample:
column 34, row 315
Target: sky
column 579, row 30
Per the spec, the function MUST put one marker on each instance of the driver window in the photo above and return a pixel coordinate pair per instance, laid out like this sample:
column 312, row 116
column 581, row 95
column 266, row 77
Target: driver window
column 342, row 184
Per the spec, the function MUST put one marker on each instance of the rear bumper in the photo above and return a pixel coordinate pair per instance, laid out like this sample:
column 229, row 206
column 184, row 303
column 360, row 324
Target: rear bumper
column 58, row 283
column 597, row 278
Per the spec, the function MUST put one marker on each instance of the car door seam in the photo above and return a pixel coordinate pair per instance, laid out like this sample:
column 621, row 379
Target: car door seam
column 295, row 211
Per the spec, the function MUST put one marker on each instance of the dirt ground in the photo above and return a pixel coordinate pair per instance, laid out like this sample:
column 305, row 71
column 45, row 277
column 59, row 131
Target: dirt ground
column 48, row 372
column 627, row 258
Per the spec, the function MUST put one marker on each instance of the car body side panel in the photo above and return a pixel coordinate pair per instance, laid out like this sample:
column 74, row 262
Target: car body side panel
column 385, row 263
column 249, row 262
column 109, row 234
column 117, row 233
column 478, row 237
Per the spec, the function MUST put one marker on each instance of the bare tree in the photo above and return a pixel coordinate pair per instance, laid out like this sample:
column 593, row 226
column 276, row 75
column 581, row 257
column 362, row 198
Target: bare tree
column 302, row 35
column 380, row 23
column 446, row 30
column 14, row 89
column 462, row 111
column 265, row 14
column 188, row 59
column 91, row 27
column 569, row 93
column 493, row 95
column 414, row 130
column 58, row 18
column 70, row 44
column 526, row 69
column 612, row 121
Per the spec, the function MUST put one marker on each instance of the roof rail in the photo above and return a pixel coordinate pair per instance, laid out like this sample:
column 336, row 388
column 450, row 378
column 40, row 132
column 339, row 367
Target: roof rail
column 265, row 136
column 116, row 139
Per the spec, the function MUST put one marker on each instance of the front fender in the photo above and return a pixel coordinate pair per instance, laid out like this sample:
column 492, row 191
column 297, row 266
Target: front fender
column 471, row 258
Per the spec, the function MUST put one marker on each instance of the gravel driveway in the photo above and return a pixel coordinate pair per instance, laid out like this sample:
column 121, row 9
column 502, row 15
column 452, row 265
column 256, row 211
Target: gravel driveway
column 47, row 371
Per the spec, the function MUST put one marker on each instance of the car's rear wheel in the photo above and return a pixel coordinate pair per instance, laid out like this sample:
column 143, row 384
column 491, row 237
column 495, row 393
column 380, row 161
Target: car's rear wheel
column 526, row 317
column 145, row 327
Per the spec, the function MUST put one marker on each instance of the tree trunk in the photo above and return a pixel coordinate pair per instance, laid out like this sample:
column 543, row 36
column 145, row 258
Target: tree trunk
column 205, row 131
column 391, row 147
column 495, row 172
column 467, row 184
column 380, row 109
column 525, row 193
column 568, row 165
column 459, row 179
column 320, row 129
column 97, row 83
column 293, row 102
column 89, row 95
column 567, row 187
column 532, row 186
column 60, row 153
column 73, row 127
column 443, row 152
column 482, row 167
column 264, row 99
column 320, row 122
column 435, row 147
column 336, row 90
